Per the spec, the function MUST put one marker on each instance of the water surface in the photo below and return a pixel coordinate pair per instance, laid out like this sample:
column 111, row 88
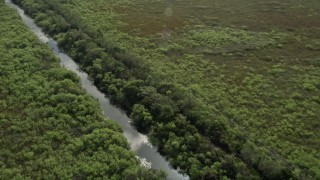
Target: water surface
column 139, row 143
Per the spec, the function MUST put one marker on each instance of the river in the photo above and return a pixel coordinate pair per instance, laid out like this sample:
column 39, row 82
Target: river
column 139, row 143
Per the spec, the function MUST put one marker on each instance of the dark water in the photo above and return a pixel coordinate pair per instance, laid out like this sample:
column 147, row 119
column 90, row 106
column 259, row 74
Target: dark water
column 139, row 143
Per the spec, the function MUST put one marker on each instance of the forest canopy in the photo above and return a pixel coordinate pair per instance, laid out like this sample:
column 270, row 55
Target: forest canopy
column 49, row 127
column 225, row 90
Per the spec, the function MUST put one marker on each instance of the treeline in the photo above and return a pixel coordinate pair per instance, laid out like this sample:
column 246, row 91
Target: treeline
column 199, row 142
column 49, row 127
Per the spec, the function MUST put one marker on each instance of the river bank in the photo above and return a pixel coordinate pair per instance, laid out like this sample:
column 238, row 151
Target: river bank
column 138, row 142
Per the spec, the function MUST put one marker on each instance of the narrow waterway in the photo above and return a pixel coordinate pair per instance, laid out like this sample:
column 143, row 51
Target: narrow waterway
column 138, row 142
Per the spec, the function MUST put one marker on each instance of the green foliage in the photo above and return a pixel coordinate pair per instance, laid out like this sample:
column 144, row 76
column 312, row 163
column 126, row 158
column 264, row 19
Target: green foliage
column 239, row 104
column 227, row 40
column 141, row 117
column 49, row 127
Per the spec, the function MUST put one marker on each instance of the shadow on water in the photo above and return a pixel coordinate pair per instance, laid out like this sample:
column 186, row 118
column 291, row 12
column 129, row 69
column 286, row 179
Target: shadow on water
column 139, row 143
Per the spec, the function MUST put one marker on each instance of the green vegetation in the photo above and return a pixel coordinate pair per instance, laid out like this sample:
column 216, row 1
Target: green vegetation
column 49, row 127
column 224, row 89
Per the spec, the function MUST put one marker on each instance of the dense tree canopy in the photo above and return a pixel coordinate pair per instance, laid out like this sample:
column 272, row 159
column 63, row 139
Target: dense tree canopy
column 49, row 127
column 220, row 102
